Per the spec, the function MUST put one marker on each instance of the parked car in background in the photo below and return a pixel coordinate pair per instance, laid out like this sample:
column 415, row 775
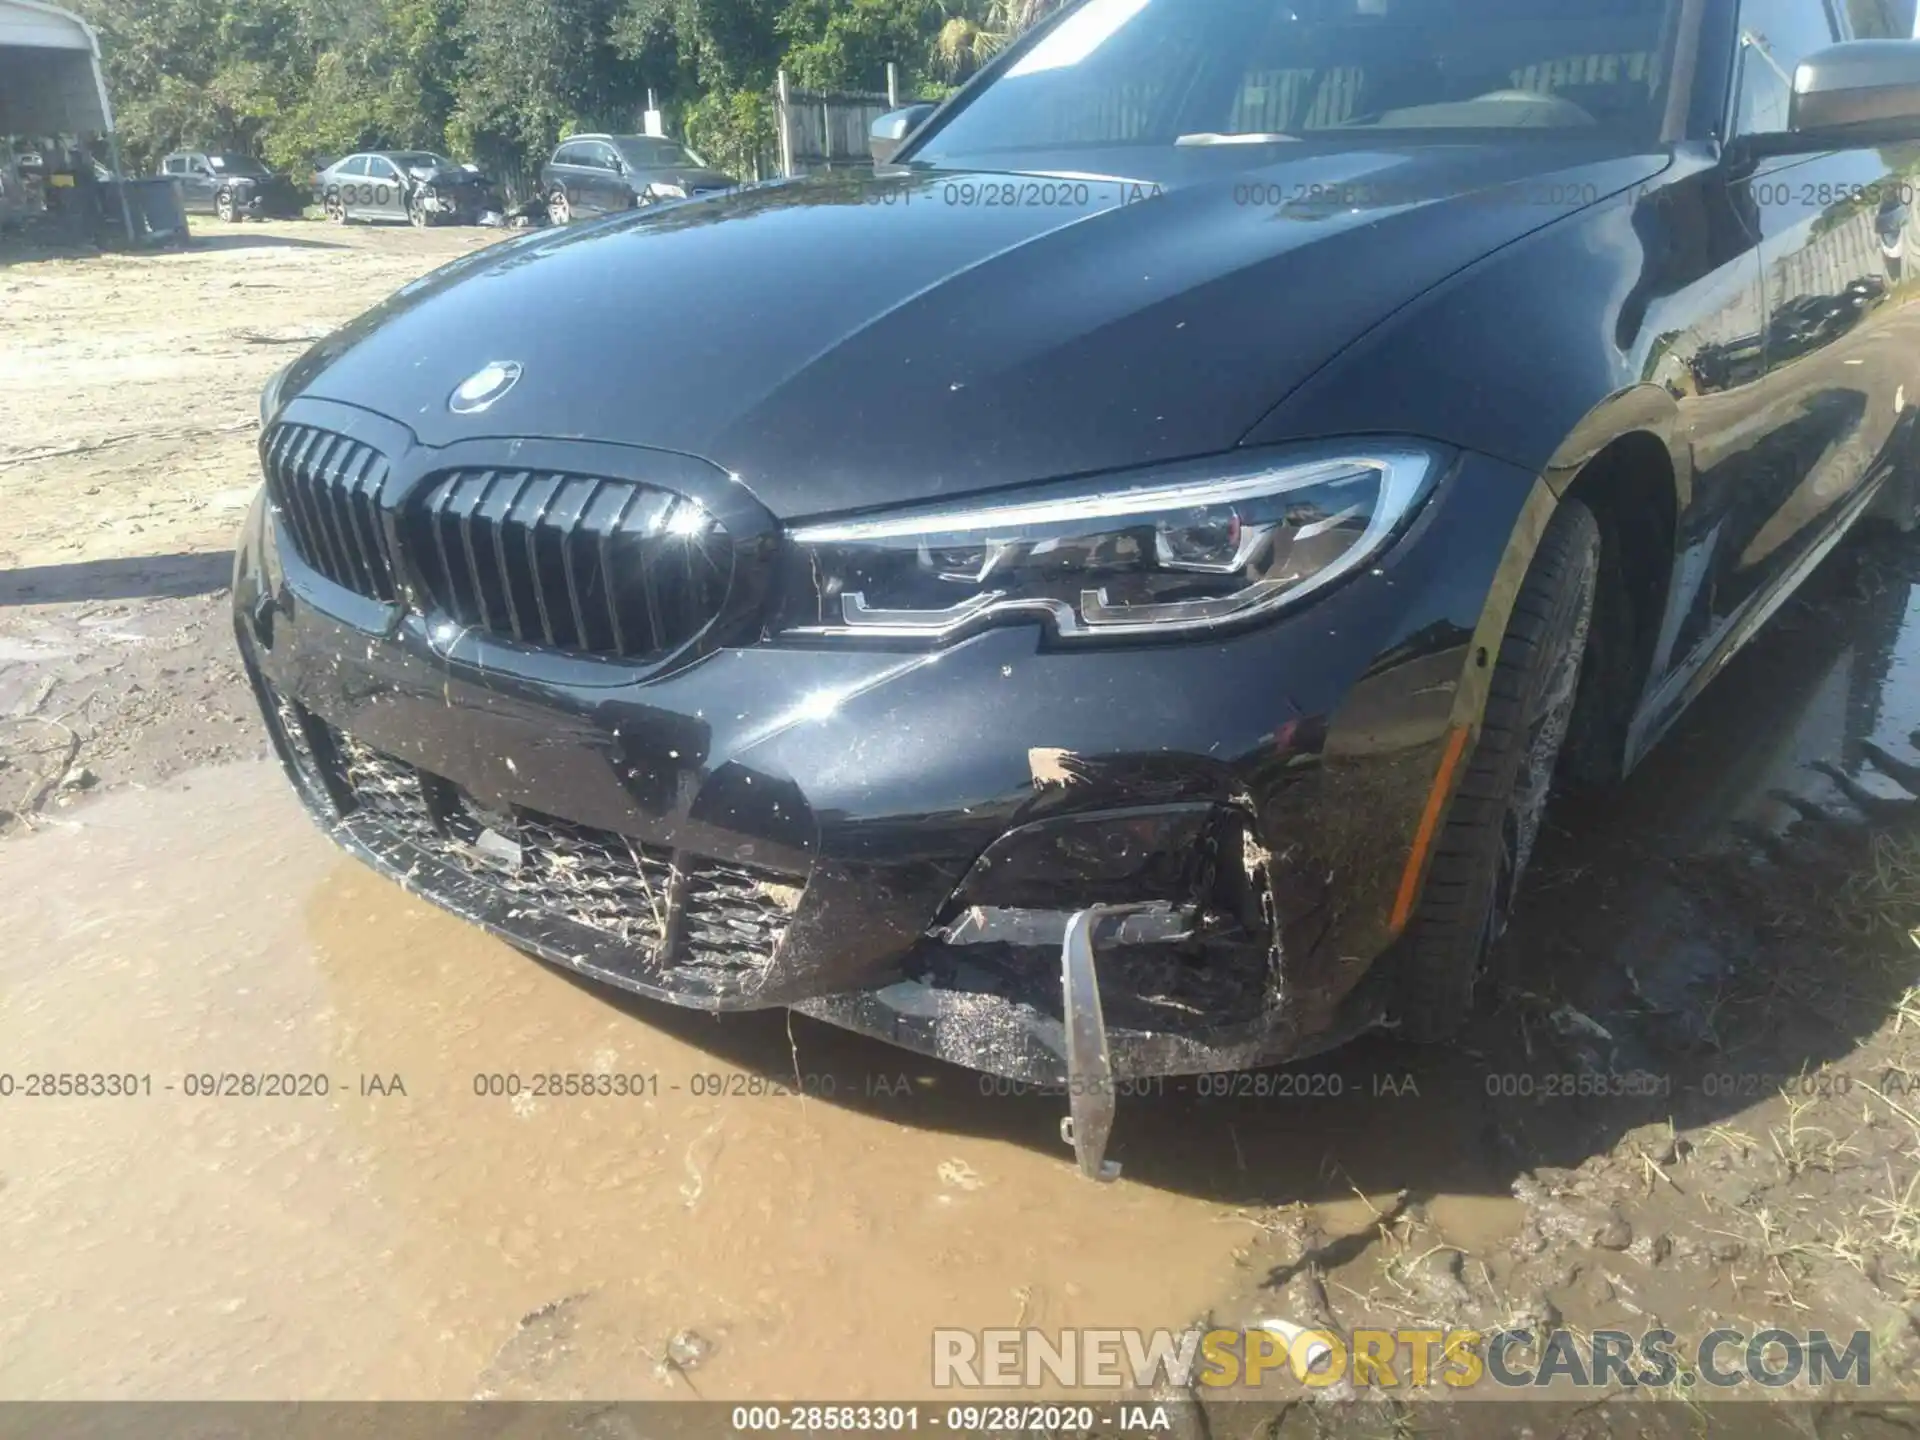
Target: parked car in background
column 216, row 182
column 413, row 185
column 600, row 174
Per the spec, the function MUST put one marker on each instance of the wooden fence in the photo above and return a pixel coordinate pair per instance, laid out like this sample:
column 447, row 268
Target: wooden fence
column 821, row 130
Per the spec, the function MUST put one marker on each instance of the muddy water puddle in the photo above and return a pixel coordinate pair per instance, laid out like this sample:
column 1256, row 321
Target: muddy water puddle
column 701, row 1236
column 781, row 1209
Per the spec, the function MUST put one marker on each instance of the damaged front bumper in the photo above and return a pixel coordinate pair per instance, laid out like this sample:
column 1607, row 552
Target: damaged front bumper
column 912, row 845
column 463, row 204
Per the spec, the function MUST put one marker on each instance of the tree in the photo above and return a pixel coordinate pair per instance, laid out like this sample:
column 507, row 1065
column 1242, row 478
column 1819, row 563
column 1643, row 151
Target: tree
column 733, row 129
column 713, row 61
column 194, row 72
column 291, row 79
column 380, row 72
column 502, row 80
column 533, row 71
column 718, row 45
column 981, row 30
column 847, row 44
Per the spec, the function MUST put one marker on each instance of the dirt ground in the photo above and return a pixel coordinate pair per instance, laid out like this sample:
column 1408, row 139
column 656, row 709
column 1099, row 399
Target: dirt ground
column 1691, row 1100
column 131, row 389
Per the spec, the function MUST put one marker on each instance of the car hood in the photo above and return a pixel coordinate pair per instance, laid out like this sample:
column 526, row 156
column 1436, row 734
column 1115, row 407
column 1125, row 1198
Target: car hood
column 843, row 343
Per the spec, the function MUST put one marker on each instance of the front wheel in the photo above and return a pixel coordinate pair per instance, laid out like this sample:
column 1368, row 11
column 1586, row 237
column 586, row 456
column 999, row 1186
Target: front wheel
column 1482, row 851
column 335, row 208
column 417, row 213
column 224, row 207
column 559, row 208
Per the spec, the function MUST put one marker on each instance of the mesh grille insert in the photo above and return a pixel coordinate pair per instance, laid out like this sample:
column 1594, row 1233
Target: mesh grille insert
column 699, row 919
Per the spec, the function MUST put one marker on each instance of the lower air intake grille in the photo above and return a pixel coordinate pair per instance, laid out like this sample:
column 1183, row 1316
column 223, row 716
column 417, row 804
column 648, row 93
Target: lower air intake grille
column 731, row 912
column 596, row 567
column 594, row 877
column 386, row 790
column 695, row 918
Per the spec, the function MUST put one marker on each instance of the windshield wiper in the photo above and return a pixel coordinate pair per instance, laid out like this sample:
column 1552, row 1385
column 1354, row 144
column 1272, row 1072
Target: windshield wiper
column 1214, row 137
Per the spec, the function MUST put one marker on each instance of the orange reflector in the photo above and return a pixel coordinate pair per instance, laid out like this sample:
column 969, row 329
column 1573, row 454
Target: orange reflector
column 1429, row 826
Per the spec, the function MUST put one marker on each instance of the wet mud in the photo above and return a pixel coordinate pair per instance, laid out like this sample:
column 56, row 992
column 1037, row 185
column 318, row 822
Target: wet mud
column 131, row 383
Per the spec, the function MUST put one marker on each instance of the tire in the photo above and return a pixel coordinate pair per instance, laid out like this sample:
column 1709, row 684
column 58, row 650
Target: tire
column 1481, row 853
column 224, row 207
column 417, row 213
column 335, row 208
column 559, row 208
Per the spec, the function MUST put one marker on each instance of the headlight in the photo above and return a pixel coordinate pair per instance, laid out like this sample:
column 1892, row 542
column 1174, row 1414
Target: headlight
column 664, row 191
column 1177, row 549
column 270, row 395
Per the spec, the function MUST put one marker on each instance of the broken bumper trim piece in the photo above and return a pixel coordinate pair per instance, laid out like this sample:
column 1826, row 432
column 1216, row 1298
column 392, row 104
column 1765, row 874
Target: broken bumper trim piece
column 1088, row 1125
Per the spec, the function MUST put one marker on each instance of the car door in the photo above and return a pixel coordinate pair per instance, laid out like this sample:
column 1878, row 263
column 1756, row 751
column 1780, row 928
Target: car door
column 387, row 191
column 174, row 167
column 349, row 176
column 199, row 184
column 586, row 177
column 1839, row 370
column 610, row 180
column 589, row 179
column 566, row 174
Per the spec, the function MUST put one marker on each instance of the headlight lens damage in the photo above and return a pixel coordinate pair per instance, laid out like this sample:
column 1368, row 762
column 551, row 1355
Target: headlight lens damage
column 1179, row 549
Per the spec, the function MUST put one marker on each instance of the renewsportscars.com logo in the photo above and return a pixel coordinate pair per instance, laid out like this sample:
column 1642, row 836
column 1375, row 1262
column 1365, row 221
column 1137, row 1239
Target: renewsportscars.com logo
column 1407, row 1359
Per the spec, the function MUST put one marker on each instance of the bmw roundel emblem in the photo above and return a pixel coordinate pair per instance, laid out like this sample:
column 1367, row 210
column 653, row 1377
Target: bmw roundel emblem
column 486, row 385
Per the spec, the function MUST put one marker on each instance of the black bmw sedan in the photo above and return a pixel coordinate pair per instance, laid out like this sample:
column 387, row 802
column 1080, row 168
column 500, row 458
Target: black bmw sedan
column 1113, row 593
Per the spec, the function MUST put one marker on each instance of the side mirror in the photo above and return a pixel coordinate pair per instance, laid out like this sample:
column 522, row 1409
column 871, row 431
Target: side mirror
column 1863, row 85
column 891, row 130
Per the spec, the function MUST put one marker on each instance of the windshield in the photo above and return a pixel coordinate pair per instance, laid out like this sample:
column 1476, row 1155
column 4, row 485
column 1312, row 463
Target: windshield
column 646, row 152
column 236, row 165
column 1252, row 72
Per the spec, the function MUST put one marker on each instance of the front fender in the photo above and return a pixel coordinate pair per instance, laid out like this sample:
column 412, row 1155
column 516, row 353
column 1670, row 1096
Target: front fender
column 1644, row 409
column 1544, row 355
column 1607, row 324
column 1543, row 351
